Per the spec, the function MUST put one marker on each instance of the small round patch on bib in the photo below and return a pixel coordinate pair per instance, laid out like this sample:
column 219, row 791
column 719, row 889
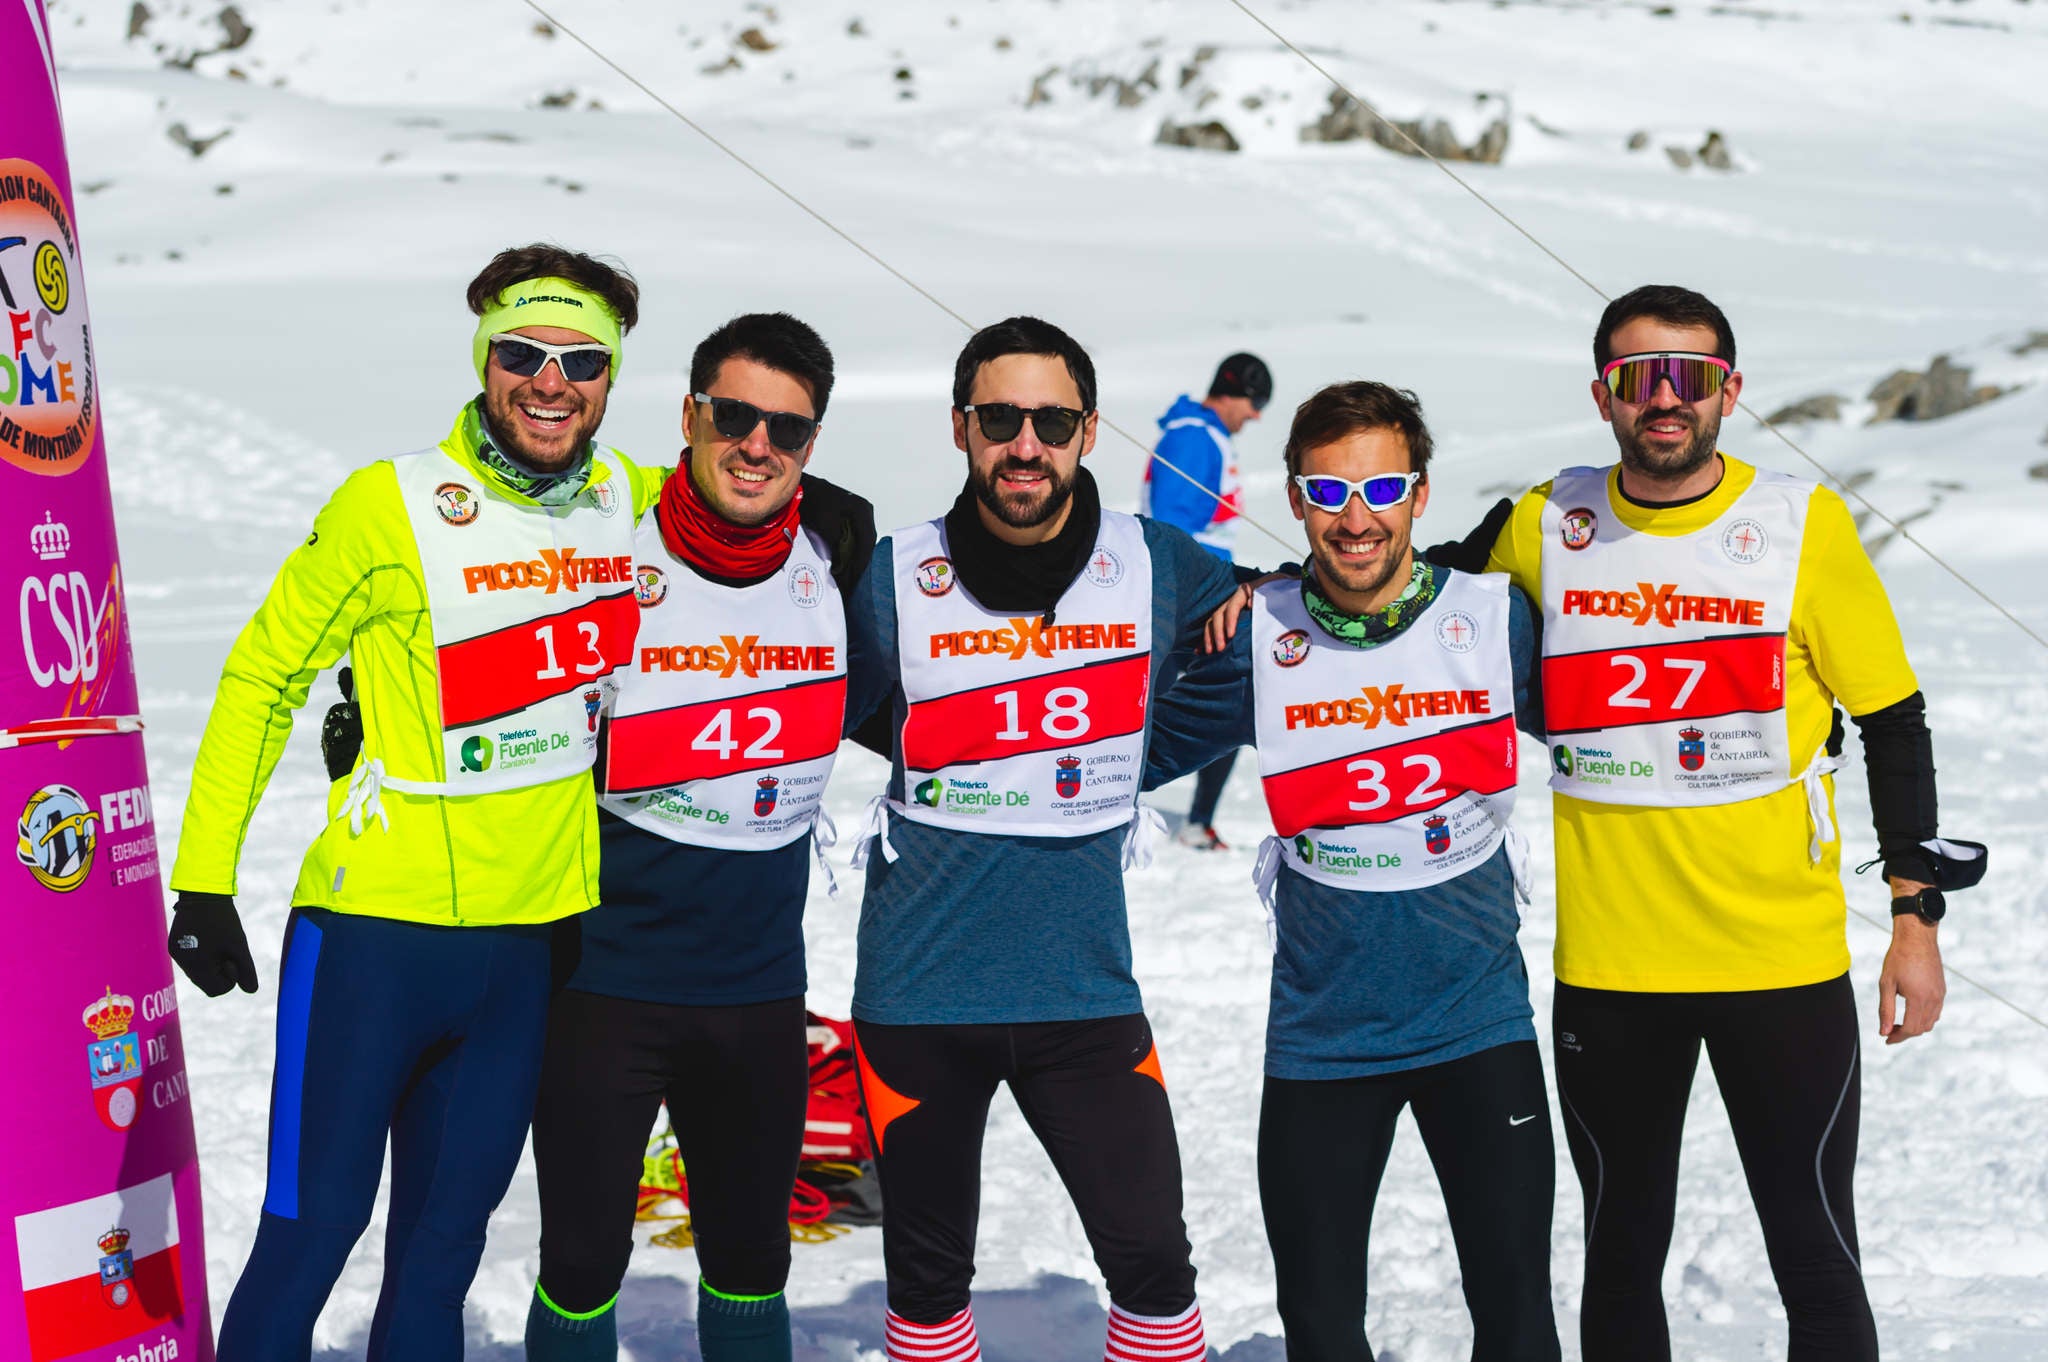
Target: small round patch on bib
column 1744, row 541
column 457, row 504
column 650, row 585
column 1291, row 648
column 1457, row 632
column 805, row 588
column 1104, row 568
column 1576, row 528
column 935, row 576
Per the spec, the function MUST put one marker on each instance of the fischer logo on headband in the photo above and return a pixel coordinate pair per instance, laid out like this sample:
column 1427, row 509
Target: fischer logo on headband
column 547, row 302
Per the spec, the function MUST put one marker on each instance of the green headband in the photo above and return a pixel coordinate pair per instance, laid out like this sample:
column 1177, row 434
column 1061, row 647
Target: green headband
column 547, row 302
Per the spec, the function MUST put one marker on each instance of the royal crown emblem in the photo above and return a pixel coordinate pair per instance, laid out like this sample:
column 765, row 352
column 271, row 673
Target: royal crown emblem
column 51, row 539
column 109, row 1016
column 1067, row 777
column 1692, row 748
column 766, row 790
column 1436, row 834
column 114, row 1241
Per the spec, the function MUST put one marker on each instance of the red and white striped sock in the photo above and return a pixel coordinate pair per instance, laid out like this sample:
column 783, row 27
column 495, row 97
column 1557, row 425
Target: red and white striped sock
column 953, row 1340
column 1155, row 1338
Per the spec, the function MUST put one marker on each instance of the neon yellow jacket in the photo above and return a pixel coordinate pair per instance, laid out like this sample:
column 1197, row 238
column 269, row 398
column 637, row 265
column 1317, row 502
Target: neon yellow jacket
column 356, row 587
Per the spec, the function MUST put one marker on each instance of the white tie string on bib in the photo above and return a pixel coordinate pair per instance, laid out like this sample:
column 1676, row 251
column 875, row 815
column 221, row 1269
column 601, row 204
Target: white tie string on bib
column 365, row 795
column 825, row 836
column 874, row 828
column 1266, row 879
column 1147, row 827
column 1819, row 822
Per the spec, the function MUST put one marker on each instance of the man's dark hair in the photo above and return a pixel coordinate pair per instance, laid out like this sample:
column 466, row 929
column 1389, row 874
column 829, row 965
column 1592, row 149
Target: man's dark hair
column 1243, row 375
column 775, row 339
column 1023, row 336
column 1667, row 303
column 1344, row 409
column 543, row 260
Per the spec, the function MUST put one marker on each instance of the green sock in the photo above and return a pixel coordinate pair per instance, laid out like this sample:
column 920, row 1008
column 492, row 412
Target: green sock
column 557, row 1335
column 742, row 1328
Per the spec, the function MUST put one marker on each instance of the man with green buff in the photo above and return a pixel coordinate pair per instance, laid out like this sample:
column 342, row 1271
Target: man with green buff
column 483, row 592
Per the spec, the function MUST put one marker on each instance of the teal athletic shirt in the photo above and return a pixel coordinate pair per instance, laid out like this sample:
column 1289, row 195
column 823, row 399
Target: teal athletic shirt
column 1368, row 983
column 969, row 927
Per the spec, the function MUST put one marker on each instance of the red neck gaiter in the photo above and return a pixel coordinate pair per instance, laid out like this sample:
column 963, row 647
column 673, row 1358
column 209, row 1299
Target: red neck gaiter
column 708, row 541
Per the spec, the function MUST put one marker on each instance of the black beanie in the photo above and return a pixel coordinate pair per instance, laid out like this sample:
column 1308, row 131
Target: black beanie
column 1243, row 375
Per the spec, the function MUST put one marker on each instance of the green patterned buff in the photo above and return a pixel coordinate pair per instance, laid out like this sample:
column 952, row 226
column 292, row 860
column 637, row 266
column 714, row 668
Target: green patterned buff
column 549, row 489
column 1371, row 630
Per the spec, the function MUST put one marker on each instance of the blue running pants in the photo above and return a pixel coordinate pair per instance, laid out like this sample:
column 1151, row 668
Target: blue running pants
column 432, row 1037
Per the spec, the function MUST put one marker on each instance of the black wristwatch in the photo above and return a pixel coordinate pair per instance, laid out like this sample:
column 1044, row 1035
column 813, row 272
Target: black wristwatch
column 1927, row 905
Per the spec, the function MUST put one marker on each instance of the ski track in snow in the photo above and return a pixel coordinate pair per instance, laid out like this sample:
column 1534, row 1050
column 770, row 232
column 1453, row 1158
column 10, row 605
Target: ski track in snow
column 287, row 307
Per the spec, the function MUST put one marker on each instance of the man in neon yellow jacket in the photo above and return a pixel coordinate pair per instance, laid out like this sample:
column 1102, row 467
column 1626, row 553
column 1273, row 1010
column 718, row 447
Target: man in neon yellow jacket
column 483, row 591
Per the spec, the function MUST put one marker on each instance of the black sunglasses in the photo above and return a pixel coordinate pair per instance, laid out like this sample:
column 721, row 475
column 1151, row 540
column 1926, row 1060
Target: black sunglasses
column 735, row 420
column 1004, row 421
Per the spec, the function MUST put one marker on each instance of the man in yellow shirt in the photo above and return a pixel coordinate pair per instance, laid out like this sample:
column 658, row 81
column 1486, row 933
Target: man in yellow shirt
column 1701, row 619
column 483, row 590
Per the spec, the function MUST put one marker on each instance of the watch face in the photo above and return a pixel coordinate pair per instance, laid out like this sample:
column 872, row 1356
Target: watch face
column 1927, row 905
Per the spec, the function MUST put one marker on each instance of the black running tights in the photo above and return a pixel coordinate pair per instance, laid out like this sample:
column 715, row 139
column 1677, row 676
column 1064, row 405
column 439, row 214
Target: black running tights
column 1788, row 1067
column 1323, row 1146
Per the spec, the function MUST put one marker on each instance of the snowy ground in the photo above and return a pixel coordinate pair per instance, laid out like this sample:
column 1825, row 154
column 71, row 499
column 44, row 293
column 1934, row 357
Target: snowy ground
column 287, row 305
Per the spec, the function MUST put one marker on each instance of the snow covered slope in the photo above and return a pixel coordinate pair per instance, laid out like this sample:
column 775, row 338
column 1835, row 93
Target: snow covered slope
column 282, row 302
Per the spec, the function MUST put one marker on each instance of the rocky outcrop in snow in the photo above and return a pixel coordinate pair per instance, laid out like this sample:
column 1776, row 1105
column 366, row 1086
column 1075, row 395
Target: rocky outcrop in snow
column 1348, row 121
column 1943, row 390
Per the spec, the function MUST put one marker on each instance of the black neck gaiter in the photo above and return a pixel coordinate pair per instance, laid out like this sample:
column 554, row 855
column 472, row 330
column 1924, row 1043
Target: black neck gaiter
column 1024, row 578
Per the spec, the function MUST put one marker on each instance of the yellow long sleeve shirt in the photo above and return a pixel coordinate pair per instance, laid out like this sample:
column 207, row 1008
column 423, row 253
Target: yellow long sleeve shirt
column 1723, row 897
column 356, row 588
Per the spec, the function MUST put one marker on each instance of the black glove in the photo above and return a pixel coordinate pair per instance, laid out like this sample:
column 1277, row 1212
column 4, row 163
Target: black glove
column 1470, row 553
column 341, row 732
column 207, row 943
column 845, row 521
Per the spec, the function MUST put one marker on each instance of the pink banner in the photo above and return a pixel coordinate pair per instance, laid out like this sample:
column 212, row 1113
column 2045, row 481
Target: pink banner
column 102, row 1255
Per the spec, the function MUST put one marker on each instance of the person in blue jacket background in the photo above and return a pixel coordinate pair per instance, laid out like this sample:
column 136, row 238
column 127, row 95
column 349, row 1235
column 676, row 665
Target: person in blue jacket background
column 1195, row 438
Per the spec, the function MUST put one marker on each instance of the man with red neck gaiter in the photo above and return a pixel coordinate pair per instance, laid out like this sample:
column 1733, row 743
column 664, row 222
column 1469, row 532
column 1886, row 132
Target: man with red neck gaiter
column 689, row 987
column 694, row 531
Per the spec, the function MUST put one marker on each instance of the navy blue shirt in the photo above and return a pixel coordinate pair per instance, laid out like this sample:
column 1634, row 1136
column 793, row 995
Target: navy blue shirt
column 694, row 926
column 978, row 927
column 1368, row 983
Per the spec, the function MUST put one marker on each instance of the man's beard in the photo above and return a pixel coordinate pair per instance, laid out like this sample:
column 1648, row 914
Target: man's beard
column 1363, row 579
column 1670, row 465
column 1011, row 510
column 512, row 440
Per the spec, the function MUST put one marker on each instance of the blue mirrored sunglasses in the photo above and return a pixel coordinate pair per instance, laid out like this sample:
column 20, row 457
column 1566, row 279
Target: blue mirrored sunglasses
column 1382, row 493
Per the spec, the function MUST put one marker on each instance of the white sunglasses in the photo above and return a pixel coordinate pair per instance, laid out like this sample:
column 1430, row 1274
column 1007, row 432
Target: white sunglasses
column 526, row 357
column 1332, row 494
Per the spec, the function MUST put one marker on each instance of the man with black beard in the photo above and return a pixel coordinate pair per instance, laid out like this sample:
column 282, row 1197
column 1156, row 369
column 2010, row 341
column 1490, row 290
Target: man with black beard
column 1701, row 618
column 1017, row 641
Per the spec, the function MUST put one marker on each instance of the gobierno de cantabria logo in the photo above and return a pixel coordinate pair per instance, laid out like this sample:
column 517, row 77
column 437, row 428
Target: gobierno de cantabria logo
column 49, row 399
column 56, row 837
